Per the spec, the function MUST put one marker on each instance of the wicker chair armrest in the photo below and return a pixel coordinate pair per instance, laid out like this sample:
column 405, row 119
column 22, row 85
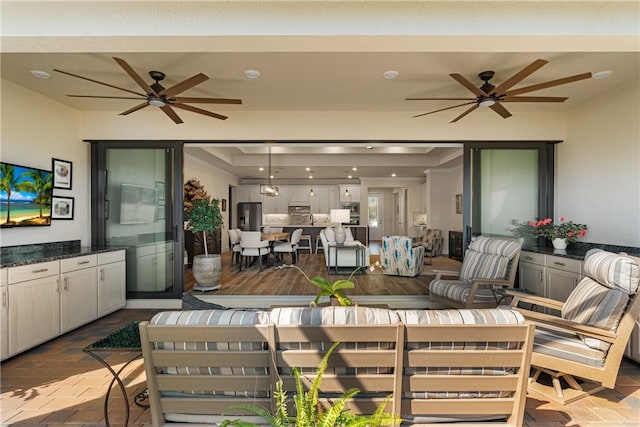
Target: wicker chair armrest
column 440, row 273
column 519, row 297
column 492, row 282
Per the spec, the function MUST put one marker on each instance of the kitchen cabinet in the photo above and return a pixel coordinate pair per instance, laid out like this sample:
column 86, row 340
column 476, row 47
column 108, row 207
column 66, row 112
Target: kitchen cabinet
column 34, row 304
column 277, row 205
column 320, row 203
column 4, row 315
column 548, row 275
column 152, row 270
column 249, row 193
column 111, row 282
column 353, row 194
column 78, row 291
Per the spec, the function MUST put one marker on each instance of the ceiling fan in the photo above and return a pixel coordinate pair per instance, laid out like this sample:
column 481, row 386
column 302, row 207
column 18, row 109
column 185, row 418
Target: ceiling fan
column 492, row 96
column 158, row 96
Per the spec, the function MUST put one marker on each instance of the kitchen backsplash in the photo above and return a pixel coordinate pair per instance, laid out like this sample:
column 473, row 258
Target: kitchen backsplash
column 286, row 219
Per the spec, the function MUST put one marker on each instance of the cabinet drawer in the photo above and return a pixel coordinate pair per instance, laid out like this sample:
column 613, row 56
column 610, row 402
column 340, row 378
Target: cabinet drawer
column 565, row 264
column 78, row 263
column 109, row 257
column 33, row 271
column 532, row 257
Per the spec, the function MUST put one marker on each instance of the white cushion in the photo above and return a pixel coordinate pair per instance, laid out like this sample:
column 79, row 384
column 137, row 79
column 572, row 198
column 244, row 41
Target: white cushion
column 349, row 235
column 330, row 234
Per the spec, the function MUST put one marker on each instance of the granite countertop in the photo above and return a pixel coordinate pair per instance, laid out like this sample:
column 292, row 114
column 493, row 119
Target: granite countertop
column 13, row 256
column 578, row 250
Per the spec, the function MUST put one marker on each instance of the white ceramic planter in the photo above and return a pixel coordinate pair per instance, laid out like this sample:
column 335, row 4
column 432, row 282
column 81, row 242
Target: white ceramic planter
column 559, row 243
column 207, row 270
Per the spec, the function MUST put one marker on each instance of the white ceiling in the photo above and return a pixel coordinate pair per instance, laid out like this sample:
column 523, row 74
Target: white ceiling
column 315, row 81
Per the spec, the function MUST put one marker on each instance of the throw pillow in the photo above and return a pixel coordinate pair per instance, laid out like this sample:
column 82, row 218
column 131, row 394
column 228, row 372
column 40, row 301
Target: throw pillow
column 478, row 265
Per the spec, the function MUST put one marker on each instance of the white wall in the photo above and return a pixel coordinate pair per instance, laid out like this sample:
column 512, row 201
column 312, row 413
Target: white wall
column 442, row 186
column 216, row 184
column 598, row 168
column 35, row 129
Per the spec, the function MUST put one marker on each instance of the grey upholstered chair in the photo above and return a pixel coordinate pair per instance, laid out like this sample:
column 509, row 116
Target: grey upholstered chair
column 489, row 266
column 253, row 246
column 432, row 241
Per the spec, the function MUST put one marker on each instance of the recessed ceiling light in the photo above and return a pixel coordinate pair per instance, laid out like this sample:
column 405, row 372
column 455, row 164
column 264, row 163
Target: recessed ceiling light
column 354, row 168
column 307, row 169
column 40, row 74
column 349, row 176
column 310, row 176
column 369, row 147
column 260, row 169
column 271, row 176
column 602, row 74
column 252, row 74
column 390, row 74
column 393, row 174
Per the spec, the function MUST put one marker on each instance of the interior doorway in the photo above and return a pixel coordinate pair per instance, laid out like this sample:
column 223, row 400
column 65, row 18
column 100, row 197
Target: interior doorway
column 375, row 222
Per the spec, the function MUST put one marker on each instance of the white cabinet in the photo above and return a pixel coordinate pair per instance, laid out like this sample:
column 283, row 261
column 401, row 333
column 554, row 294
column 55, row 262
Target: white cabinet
column 277, row 205
column 34, row 304
column 334, row 198
column 4, row 314
column 79, row 291
column 548, row 275
column 153, row 267
column 349, row 193
column 111, row 282
column 299, row 195
column 249, row 193
column 320, row 203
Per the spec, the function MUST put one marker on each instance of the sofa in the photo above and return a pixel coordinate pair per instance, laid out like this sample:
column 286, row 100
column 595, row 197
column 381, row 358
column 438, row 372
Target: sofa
column 436, row 365
column 343, row 257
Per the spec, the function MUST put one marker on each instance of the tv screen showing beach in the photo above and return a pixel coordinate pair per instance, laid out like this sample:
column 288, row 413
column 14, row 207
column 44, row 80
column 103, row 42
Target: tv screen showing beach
column 25, row 196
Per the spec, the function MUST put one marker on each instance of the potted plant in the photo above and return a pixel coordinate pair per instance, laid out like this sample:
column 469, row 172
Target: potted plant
column 307, row 408
column 335, row 290
column 204, row 216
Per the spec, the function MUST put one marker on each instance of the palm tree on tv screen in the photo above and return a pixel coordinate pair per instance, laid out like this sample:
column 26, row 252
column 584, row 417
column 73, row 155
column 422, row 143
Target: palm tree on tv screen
column 8, row 182
column 39, row 183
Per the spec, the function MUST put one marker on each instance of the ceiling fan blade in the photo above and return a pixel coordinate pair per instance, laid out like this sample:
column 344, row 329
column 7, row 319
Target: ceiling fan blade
column 134, row 109
column 135, row 76
column 200, row 111
column 549, row 84
column 498, row 108
column 101, row 97
column 534, row 99
column 172, row 114
column 443, row 109
column 439, row 99
column 466, row 83
column 182, row 100
column 519, row 76
column 96, row 81
column 470, row 109
column 187, row 84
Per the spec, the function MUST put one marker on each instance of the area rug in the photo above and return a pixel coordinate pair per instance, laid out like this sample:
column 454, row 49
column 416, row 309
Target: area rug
column 437, row 263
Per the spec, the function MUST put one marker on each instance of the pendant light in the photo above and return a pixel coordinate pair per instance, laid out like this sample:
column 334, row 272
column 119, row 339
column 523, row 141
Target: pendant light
column 312, row 194
column 270, row 190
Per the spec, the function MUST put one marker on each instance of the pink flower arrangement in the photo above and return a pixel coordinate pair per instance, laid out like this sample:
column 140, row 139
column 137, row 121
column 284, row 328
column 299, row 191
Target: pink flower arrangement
column 568, row 230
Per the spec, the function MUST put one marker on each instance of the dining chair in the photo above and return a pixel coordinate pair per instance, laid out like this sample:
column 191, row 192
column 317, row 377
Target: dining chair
column 253, row 246
column 234, row 244
column 290, row 247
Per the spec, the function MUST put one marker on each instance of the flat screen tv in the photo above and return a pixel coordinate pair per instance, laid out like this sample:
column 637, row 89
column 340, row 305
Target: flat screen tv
column 25, row 196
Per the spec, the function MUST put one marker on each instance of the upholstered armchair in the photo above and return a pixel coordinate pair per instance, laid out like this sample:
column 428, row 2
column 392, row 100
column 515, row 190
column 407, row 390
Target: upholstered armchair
column 489, row 267
column 399, row 258
column 584, row 347
column 432, row 241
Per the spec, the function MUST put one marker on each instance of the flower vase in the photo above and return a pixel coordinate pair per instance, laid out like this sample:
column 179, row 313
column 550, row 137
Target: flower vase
column 559, row 243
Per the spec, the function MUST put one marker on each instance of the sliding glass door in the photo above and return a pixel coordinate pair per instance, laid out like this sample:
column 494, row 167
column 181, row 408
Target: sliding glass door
column 506, row 183
column 136, row 188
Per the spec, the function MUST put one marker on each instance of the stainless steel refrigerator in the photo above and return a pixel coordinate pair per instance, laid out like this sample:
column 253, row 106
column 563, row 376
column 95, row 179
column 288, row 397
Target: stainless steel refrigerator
column 250, row 216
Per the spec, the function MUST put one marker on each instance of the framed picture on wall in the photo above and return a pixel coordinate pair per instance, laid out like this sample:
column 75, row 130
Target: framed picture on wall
column 62, row 207
column 223, row 205
column 62, row 170
column 458, row 203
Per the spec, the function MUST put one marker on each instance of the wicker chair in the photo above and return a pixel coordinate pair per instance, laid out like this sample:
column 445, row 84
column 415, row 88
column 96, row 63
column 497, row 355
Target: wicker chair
column 590, row 338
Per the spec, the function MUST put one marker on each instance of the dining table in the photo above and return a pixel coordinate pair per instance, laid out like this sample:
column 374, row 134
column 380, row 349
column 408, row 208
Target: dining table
column 273, row 238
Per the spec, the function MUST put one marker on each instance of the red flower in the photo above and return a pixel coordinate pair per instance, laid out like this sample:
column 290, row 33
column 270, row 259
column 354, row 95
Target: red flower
column 562, row 218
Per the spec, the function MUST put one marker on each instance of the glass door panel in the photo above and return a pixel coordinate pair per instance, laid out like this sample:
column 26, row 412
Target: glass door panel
column 138, row 213
column 375, row 216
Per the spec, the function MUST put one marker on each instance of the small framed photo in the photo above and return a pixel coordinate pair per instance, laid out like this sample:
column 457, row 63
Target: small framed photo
column 62, row 170
column 458, row 203
column 62, row 207
column 223, row 205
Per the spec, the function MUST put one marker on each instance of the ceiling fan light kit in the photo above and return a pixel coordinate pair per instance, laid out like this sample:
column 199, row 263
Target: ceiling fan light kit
column 157, row 95
column 491, row 96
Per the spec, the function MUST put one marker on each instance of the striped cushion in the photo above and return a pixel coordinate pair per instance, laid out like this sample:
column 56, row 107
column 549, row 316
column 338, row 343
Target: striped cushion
column 478, row 265
column 458, row 290
column 612, row 270
column 592, row 304
column 212, row 317
column 495, row 246
column 459, row 317
column 566, row 346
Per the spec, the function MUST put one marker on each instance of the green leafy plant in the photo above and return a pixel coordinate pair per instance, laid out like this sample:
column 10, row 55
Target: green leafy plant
column 332, row 290
column 309, row 412
column 204, row 216
column 568, row 230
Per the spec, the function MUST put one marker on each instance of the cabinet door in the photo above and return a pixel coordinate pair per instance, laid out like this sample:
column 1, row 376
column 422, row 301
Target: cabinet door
column 111, row 287
column 79, row 298
column 4, row 315
column 334, row 198
column 560, row 283
column 320, row 203
column 532, row 278
column 269, row 205
column 34, row 312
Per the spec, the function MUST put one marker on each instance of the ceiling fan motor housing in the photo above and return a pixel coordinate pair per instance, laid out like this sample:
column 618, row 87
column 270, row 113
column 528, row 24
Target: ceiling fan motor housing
column 485, row 76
